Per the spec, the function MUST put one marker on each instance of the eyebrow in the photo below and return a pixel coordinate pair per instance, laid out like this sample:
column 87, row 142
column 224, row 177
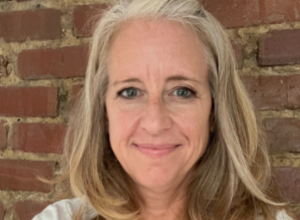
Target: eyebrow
column 170, row 78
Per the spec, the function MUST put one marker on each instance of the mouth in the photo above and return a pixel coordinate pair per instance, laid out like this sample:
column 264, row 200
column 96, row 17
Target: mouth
column 156, row 150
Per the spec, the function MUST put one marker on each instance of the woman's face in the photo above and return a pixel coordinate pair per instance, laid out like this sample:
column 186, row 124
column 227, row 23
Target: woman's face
column 158, row 101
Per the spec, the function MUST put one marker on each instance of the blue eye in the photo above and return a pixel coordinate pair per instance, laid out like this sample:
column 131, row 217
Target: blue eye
column 129, row 93
column 184, row 92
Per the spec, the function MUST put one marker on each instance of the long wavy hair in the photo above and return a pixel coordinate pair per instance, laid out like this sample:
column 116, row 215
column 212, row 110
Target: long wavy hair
column 232, row 180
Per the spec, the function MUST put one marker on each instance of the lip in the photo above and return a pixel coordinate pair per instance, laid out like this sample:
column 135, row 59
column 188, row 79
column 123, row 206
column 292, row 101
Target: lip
column 156, row 150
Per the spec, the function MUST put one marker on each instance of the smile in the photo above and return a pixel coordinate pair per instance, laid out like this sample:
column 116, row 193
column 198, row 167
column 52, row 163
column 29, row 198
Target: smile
column 156, row 150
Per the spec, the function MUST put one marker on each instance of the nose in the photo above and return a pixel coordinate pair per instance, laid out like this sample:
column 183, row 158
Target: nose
column 156, row 118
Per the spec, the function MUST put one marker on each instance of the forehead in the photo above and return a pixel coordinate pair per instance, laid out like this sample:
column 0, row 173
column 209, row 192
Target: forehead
column 158, row 45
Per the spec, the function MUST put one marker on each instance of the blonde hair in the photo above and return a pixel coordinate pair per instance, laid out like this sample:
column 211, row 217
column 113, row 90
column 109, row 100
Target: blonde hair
column 231, row 180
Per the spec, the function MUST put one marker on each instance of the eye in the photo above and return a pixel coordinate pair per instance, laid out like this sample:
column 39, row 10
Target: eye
column 184, row 92
column 129, row 93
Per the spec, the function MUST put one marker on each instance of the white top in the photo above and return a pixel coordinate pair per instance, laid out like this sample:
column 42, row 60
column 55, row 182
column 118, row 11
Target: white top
column 64, row 209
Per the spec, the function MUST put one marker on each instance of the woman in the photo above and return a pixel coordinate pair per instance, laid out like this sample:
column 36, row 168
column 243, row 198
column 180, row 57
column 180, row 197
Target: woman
column 164, row 128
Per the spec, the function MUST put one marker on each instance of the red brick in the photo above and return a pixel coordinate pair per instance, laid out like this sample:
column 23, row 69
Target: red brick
column 283, row 134
column 288, row 179
column 38, row 24
column 26, row 210
column 238, row 50
column 241, row 13
column 2, row 136
column 294, row 91
column 22, row 175
column 3, row 65
column 280, row 48
column 234, row 13
column 267, row 92
column 1, row 211
column 28, row 101
column 85, row 18
column 53, row 63
column 76, row 89
column 38, row 137
column 279, row 11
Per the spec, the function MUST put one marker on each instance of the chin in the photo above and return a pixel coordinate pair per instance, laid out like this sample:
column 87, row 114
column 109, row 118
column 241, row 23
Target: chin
column 157, row 178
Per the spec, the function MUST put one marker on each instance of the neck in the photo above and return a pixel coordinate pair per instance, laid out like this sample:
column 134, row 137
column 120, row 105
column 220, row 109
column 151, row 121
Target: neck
column 161, row 207
column 163, row 203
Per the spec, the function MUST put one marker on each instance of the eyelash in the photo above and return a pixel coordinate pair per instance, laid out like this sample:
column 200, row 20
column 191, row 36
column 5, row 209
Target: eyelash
column 121, row 91
column 193, row 93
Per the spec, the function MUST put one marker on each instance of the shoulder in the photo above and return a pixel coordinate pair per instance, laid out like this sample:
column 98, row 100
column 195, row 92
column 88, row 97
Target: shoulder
column 282, row 215
column 65, row 209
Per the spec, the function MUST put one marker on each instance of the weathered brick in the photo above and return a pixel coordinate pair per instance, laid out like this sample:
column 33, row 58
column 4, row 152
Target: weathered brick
column 234, row 13
column 238, row 50
column 280, row 48
column 85, row 18
column 74, row 92
column 2, row 136
column 76, row 89
column 22, row 175
column 288, row 179
column 27, row 209
column 267, row 92
column 28, row 101
column 38, row 137
column 53, row 63
column 283, row 133
column 37, row 24
column 278, row 11
column 294, row 91
column 1, row 211
column 3, row 65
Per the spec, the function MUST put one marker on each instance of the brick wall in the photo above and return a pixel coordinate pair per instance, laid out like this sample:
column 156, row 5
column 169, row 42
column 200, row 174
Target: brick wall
column 43, row 48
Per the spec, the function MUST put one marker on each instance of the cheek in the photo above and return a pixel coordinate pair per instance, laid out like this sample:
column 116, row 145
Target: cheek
column 195, row 121
column 195, row 126
column 121, row 125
